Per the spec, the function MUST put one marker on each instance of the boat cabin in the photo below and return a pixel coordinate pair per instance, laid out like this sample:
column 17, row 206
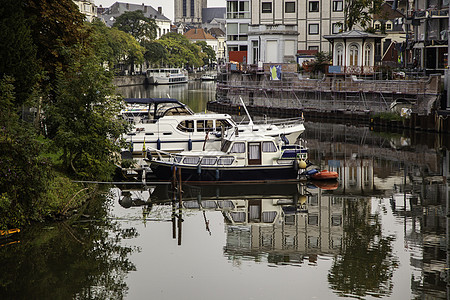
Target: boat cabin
column 149, row 110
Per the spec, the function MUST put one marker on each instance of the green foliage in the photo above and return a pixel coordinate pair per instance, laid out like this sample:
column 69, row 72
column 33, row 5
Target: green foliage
column 114, row 46
column 180, row 51
column 17, row 51
column 210, row 54
column 389, row 116
column 360, row 12
column 155, row 52
column 84, row 119
column 62, row 194
column 24, row 172
column 56, row 26
column 136, row 24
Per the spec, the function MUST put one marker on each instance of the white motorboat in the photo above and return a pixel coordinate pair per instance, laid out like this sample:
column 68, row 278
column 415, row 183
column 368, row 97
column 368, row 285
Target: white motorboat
column 241, row 158
column 173, row 127
column 167, row 76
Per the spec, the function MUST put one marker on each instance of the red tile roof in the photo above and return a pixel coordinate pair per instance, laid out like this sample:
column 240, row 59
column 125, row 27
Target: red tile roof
column 198, row 34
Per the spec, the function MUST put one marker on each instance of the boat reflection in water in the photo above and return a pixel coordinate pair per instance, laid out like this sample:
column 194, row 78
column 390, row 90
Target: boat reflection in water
column 279, row 221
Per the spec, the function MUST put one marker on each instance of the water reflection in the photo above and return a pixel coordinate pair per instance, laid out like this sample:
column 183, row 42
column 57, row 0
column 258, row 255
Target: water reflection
column 194, row 93
column 382, row 231
column 82, row 259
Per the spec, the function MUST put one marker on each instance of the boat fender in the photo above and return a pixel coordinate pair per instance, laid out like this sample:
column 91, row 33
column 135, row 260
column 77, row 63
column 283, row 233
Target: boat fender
column 296, row 166
column 311, row 172
column 199, row 169
column 158, row 144
column 302, row 164
column 217, row 174
column 189, row 144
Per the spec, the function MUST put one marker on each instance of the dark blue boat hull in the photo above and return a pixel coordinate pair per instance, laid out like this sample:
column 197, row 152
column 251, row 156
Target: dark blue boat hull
column 165, row 172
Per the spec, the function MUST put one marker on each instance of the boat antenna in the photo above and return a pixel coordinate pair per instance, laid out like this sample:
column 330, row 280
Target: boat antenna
column 246, row 111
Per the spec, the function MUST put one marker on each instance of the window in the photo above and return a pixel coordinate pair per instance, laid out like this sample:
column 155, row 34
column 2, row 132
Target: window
column 368, row 55
column 266, row 7
column 191, row 160
column 377, row 26
column 269, row 147
column 337, row 27
column 243, row 28
column 353, row 55
column 225, row 160
column 313, row 48
column 338, row 5
column 238, row 148
column 208, row 160
column 339, row 55
column 313, row 6
column 388, row 26
column 243, row 6
column 289, row 7
column 313, row 29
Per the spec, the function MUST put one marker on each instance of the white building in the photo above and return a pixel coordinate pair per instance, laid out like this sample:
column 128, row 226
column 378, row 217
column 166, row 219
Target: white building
column 354, row 51
column 118, row 8
column 237, row 23
column 278, row 28
column 88, row 8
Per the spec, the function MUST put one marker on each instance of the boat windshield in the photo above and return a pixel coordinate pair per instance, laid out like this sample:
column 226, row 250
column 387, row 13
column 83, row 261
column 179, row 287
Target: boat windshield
column 172, row 109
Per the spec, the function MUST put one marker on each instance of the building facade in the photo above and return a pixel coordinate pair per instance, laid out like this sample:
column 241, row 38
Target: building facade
column 278, row 28
column 237, row 23
column 189, row 12
column 118, row 8
column 88, row 8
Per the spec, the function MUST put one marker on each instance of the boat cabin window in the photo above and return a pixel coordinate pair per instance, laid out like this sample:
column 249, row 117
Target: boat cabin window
column 269, row 216
column 269, row 147
column 191, row 160
column 238, row 147
column 225, row 204
column 238, row 216
column 225, row 160
column 205, row 125
column 186, row 126
column 178, row 159
column 223, row 124
column 208, row 160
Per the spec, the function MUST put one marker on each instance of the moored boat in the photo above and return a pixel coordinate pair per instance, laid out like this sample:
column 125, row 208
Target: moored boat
column 166, row 76
column 242, row 158
column 325, row 175
column 171, row 126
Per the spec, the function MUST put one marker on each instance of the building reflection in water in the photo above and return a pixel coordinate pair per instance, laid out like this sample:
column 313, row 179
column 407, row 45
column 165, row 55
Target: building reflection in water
column 296, row 223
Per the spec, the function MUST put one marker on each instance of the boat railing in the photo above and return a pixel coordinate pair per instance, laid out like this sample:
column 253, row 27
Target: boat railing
column 280, row 122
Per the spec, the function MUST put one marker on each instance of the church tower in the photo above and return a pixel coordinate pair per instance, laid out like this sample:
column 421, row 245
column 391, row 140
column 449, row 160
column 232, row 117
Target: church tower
column 189, row 12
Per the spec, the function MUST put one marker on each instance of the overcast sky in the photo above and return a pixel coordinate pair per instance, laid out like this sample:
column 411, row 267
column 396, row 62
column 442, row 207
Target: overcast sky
column 167, row 4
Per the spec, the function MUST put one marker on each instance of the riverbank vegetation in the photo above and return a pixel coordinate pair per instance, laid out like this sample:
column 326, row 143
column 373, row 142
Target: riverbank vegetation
column 58, row 107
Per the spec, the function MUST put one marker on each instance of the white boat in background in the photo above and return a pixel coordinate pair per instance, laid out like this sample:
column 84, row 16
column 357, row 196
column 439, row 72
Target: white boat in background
column 171, row 126
column 166, row 76
column 208, row 77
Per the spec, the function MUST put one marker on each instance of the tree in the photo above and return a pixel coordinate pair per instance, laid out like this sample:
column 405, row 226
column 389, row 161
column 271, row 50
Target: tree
column 155, row 52
column 360, row 12
column 24, row 173
column 136, row 24
column 17, row 50
column 180, row 51
column 210, row 54
column 114, row 46
column 85, row 117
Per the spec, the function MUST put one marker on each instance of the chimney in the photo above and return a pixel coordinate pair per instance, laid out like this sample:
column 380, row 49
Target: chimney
column 160, row 10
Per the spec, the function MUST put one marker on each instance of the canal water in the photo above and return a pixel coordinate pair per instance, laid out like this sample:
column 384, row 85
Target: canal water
column 381, row 232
